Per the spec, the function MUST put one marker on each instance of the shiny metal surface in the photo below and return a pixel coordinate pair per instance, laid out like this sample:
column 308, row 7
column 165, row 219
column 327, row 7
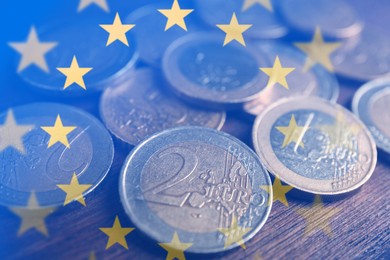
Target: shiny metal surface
column 108, row 63
column 365, row 58
column 315, row 146
column 142, row 106
column 315, row 82
column 194, row 181
column 266, row 25
column 371, row 104
column 336, row 18
column 40, row 168
column 202, row 71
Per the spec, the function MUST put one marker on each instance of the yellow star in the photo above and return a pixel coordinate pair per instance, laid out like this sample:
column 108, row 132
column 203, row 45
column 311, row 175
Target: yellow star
column 234, row 30
column 175, row 15
column 85, row 3
column 277, row 74
column 292, row 133
column 33, row 51
column 249, row 3
column 234, row 234
column 74, row 74
column 116, row 234
column 175, row 248
column 74, row 190
column 11, row 134
column 58, row 132
column 279, row 191
column 33, row 216
column 117, row 30
column 318, row 217
column 318, row 51
column 339, row 131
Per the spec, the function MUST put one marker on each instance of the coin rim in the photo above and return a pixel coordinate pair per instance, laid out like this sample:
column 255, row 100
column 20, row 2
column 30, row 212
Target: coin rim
column 93, row 119
column 356, row 104
column 203, row 98
column 124, row 197
column 129, row 80
column 302, row 101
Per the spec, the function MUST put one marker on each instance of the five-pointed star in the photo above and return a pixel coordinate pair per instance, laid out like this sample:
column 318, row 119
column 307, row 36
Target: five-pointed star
column 175, row 15
column 33, row 51
column 117, row 30
column 339, row 132
column 85, row 3
column 116, row 234
column 234, row 30
column 318, row 217
column 33, row 216
column 249, row 3
column 292, row 133
column 318, row 51
column 74, row 190
column 11, row 134
column 279, row 191
column 74, row 74
column 234, row 234
column 58, row 132
column 277, row 74
column 175, row 248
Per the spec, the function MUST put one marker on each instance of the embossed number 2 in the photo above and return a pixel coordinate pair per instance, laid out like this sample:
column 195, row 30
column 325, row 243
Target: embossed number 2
column 189, row 163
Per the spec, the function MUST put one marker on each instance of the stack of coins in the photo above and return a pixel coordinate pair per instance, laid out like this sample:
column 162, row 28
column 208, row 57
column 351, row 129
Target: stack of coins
column 163, row 92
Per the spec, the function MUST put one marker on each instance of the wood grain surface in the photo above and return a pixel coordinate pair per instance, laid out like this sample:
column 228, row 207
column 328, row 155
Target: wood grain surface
column 358, row 224
column 360, row 229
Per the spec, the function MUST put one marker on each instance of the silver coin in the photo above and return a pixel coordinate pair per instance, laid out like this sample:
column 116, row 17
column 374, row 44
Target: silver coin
column 202, row 71
column 139, row 107
column 193, row 181
column 336, row 18
column 365, row 58
column 315, row 146
column 27, row 163
column 315, row 82
column 88, row 44
column 371, row 104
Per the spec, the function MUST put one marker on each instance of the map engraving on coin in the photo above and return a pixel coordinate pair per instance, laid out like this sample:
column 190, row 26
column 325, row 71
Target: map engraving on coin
column 36, row 166
column 202, row 71
column 195, row 181
column 315, row 146
column 141, row 106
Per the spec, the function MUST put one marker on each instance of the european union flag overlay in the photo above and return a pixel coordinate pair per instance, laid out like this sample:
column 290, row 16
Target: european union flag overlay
column 194, row 129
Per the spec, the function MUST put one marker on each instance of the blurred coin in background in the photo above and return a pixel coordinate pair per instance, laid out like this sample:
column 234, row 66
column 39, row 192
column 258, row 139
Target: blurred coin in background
column 336, row 18
column 142, row 106
column 364, row 58
column 205, row 73
column 315, row 82
column 85, row 40
column 151, row 36
column 266, row 24
column 34, row 159
column 371, row 104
